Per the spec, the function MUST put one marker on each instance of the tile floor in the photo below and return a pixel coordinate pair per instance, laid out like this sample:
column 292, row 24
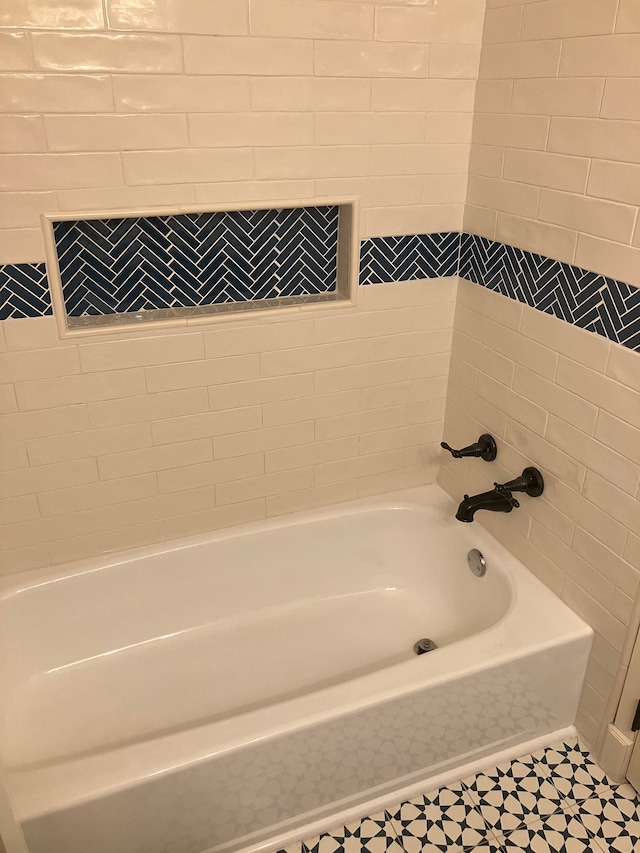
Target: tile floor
column 554, row 801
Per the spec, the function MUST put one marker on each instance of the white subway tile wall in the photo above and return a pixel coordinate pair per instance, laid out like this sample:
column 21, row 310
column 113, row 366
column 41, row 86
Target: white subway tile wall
column 555, row 160
column 133, row 439
column 123, row 105
column 555, row 169
column 568, row 402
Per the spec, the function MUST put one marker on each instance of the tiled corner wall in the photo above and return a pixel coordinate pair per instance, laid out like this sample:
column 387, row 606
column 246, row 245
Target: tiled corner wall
column 555, row 161
column 555, row 170
column 567, row 401
column 580, row 297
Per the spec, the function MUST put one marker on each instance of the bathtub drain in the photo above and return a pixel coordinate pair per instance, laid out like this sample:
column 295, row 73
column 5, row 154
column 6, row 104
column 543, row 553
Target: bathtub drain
column 424, row 645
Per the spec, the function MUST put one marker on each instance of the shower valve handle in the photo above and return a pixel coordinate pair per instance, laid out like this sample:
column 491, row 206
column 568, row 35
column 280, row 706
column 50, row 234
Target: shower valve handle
column 484, row 448
column 530, row 482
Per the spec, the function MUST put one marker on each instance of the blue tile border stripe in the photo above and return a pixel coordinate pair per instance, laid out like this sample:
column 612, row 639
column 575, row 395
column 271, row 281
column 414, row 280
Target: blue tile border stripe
column 586, row 299
column 24, row 291
column 410, row 257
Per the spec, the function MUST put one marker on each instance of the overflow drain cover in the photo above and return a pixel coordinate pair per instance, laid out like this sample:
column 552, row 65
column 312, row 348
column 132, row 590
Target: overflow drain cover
column 477, row 562
column 424, row 645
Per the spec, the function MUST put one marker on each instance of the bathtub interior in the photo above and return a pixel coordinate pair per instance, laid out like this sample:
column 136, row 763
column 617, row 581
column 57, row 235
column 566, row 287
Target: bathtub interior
column 167, row 640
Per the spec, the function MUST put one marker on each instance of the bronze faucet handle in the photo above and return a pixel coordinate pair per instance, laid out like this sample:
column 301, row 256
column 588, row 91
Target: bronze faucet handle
column 530, row 481
column 457, row 454
column 484, row 448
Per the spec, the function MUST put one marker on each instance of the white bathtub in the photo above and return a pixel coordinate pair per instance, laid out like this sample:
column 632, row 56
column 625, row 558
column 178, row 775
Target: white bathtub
column 218, row 691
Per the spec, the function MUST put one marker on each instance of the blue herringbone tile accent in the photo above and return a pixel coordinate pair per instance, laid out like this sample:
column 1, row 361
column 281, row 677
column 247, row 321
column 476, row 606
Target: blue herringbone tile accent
column 384, row 259
column 468, row 265
column 115, row 266
column 440, row 254
column 110, row 266
column 602, row 305
column 410, row 257
column 619, row 313
column 120, row 265
column 310, row 268
column 24, row 291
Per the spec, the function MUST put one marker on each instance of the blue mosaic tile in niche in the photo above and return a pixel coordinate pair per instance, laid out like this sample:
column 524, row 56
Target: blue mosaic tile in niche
column 115, row 266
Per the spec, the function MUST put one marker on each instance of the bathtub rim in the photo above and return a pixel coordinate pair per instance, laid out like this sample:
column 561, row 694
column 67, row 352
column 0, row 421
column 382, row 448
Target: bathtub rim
column 414, row 498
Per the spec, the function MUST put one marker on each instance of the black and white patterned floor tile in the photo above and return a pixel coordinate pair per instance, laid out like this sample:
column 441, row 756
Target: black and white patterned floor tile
column 562, row 832
column 514, row 793
column 573, row 772
column 555, row 801
column 443, row 820
column 375, row 834
column 613, row 818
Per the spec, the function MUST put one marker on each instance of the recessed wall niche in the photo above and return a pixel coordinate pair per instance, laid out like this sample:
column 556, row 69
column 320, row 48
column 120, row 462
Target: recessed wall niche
column 123, row 269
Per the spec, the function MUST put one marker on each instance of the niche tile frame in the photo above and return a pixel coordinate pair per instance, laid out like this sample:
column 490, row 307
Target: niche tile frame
column 159, row 254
